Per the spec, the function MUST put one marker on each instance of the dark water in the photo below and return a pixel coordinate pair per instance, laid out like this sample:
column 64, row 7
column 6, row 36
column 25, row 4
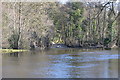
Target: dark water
column 61, row 63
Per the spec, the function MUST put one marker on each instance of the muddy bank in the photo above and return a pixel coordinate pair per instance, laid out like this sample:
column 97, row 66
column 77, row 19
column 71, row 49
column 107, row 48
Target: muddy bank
column 86, row 47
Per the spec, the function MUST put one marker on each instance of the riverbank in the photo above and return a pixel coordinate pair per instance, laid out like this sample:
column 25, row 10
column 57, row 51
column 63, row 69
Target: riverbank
column 82, row 47
column 60, row 46
column 11, row 50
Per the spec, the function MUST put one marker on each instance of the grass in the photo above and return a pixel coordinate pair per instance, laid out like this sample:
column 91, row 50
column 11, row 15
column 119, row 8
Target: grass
column 11, row 50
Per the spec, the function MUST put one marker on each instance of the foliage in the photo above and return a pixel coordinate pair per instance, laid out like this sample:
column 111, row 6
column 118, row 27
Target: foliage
column 11, row 50
column 107, row 41
column 13, row 41
column 75, row 24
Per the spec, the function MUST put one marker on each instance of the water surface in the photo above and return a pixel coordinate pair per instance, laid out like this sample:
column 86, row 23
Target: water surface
column 61, row 63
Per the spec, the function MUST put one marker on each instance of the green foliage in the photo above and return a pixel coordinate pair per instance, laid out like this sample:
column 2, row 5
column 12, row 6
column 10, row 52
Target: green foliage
column 68, row 24
column 13, row 41
column 72, row 24
column 107, row 41
column 11, row 50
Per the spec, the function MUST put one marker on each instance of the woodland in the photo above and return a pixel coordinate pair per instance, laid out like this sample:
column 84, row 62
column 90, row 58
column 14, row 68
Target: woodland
column 31, row 25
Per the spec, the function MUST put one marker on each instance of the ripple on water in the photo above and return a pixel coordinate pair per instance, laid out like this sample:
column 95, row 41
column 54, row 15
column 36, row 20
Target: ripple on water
column 81, row 57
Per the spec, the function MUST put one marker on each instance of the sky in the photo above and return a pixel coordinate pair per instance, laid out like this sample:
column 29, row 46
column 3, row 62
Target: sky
column 63, row 1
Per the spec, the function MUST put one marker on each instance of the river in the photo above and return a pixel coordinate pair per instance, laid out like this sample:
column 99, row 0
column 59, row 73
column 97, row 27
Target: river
column 61, row 63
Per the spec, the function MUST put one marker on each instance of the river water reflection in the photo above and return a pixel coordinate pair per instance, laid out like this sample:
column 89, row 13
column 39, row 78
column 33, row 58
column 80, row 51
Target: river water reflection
column 61, row 63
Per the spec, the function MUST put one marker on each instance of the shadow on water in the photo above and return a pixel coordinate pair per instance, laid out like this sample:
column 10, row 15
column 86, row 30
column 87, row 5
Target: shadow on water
column 16, row 54
column 62, row 63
